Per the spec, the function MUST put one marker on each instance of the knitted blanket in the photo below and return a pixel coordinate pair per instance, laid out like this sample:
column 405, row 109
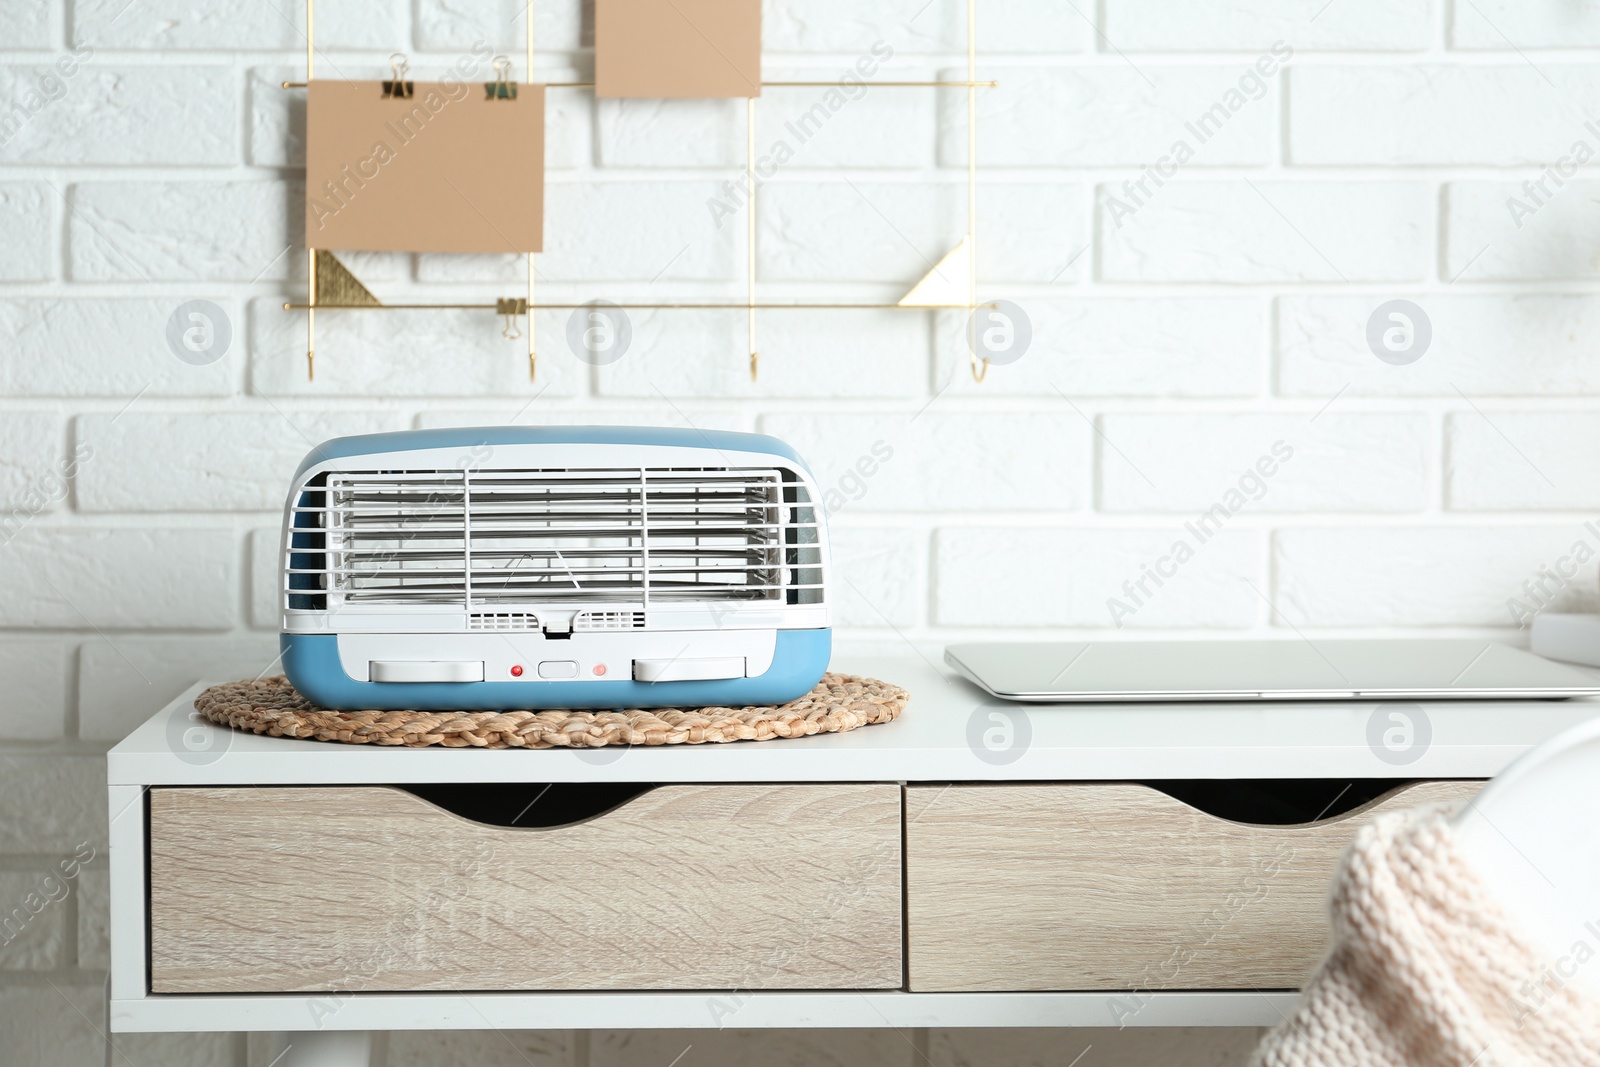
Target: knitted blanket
column 1427, row 970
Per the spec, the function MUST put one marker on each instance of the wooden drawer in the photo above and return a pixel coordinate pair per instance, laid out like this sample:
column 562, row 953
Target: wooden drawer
column 1117, row 886
column 373, row 888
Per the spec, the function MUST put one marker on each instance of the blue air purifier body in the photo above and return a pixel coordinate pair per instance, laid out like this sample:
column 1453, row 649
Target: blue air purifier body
column 556, row 567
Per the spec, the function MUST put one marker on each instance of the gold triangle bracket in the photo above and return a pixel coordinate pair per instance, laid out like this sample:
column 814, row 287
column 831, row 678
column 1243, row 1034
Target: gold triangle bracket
column 949, row 285
column 332, row 284
column 337, row 286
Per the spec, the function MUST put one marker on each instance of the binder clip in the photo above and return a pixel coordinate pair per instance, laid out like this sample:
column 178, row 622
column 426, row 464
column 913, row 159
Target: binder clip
column 510, row 308
column 502, row 87
column 398, row 88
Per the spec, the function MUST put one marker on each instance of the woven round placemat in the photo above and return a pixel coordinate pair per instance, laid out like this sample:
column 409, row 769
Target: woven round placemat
column 271, row 706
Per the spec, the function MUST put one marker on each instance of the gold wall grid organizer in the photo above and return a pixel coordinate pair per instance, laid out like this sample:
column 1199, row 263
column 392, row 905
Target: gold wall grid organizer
column 952, row 284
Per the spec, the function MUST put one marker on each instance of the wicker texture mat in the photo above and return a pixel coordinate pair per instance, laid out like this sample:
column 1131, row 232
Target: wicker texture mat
column 271, row 706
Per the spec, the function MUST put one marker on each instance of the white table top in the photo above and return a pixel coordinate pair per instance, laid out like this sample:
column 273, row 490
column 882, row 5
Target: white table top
column 951, row 731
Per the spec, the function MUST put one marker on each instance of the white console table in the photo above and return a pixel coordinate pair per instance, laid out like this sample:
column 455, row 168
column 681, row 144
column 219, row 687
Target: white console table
column 972, row 864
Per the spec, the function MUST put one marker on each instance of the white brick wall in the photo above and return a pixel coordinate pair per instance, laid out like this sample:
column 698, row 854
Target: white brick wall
column 188, row 115
column 31, row 25
column 94, row 919
column 444, row 27
column 70, row 346
column 1496, row 344
column 38, row 945
column 118, row 682
column 1510, row 460
column 1253, row 25
column 1336, row 462
column 174, row 24
column 194, row 462
column 940, row 462
column 35, row 671
column 1130, row 116
column 1258, row 230
column 847, row 354
column 1485, row 241
column 829, row 231
column 53, row 803
column 877, row 568
column 134, row 231
column 119, row 577
column 1163, row 346
column 1185, row 316
column 31, row 458
column 40, row 1026
column 1437, row 114
column 1343, row 577
column 27, row 217
column 1488, row 24
column 838, row 26
column 1061, row 576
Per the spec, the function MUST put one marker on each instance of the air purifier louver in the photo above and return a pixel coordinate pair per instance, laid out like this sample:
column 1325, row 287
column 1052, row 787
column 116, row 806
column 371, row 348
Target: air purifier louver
column 573, row 567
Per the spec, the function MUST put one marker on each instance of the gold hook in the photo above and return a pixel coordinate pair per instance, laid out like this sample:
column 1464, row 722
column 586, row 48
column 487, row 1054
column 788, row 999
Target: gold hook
column 980, row 368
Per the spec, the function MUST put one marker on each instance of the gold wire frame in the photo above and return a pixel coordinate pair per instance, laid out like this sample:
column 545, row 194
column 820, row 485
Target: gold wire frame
column 979, row 367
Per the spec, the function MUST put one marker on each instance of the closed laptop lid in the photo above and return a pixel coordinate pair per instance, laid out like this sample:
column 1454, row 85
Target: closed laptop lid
column 1295, row 669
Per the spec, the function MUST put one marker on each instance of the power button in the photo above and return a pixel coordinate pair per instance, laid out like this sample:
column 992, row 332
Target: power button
column 558, row 668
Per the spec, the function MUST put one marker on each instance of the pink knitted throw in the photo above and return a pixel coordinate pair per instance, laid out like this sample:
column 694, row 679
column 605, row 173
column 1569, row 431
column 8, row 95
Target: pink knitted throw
column 1427, row 970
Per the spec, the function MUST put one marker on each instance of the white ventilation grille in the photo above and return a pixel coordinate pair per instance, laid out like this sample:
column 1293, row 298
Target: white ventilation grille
column 502, row 620
column 505, row 538
column 609, row 620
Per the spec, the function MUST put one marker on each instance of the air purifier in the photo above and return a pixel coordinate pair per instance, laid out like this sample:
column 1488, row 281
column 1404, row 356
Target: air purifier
column 555, row 567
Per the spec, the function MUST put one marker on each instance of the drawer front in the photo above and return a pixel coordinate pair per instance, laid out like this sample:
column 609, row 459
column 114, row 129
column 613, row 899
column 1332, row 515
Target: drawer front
column 372, row 888
column 1117, row 887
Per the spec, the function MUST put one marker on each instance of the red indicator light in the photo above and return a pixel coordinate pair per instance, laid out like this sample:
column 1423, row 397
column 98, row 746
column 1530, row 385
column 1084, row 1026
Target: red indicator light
column 599, row 668
column 516, row 671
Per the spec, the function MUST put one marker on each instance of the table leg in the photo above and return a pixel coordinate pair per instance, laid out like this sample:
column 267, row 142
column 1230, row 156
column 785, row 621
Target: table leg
column 321, row 1048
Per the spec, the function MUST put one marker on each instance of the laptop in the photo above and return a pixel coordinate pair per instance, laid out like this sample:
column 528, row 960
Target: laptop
column 1291, row 669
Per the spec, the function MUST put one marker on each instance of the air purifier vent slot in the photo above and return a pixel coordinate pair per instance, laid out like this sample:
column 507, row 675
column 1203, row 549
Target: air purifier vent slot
column 502, row 620
column 509, row 538
column 609, row 620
